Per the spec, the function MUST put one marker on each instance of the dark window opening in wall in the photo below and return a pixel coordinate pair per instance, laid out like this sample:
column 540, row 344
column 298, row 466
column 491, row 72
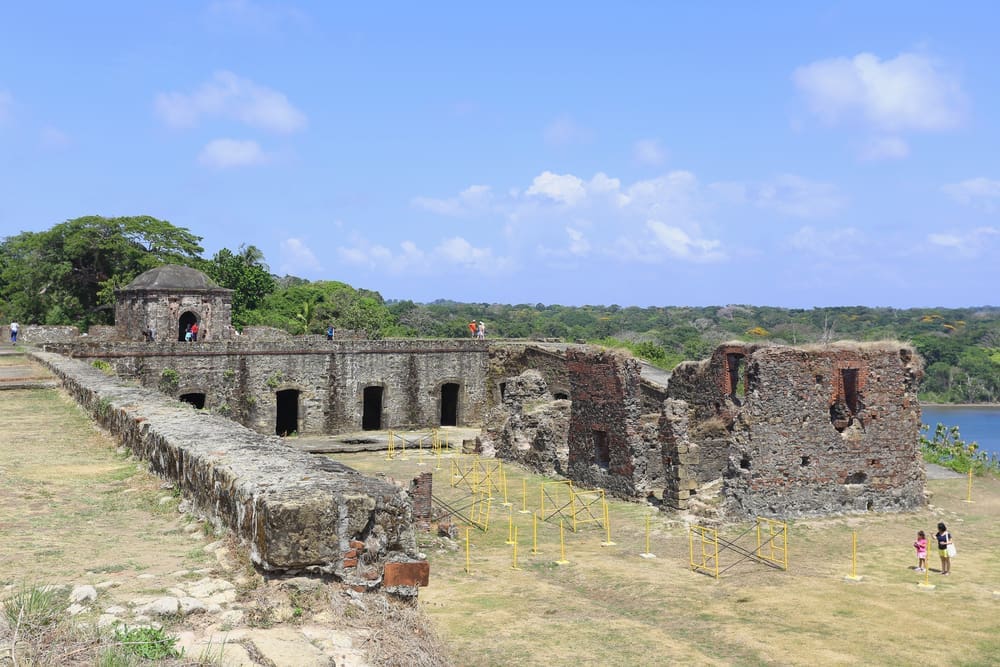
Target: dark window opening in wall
column 286, row 419
column 736, row 366
column 503, row 391
column 849, row 378
column 449, row 404
column 856, row 478
column 870, row 506
column 745, row 463
column 818, row 378
column 371, row 417
column 805, row 461
column 187, row 319
column 561, row 396
column 197, row 400
column 602, row 453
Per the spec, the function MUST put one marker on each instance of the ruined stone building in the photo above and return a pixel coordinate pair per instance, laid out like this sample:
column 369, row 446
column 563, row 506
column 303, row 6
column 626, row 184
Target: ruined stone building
column 784, row 430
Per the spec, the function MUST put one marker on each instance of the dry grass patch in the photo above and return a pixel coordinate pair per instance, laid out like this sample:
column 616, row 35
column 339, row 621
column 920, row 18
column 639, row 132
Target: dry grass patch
column 609, row 606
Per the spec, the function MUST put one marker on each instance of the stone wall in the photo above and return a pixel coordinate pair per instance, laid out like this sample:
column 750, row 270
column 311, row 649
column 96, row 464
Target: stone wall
column 605, row 429
column 529, row 426
column 41, row 334
column 292, row 510
column 162, row 309
column 827, row 430
column 242, row 379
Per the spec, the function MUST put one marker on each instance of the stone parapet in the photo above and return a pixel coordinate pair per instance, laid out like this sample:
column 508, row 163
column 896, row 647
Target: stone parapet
column 292, row 510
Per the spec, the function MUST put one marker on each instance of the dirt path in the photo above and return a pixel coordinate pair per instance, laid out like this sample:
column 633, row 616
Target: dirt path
column 77, row 513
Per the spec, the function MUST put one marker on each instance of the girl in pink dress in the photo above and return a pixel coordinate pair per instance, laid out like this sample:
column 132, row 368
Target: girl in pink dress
column 921, row 546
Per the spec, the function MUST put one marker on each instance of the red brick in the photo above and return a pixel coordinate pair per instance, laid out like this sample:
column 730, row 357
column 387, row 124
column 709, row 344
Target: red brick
column 407, row 574
column 350, row 562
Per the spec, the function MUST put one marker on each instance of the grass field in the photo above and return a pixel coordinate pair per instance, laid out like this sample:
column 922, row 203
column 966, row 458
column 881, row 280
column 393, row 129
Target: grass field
column 609, row 606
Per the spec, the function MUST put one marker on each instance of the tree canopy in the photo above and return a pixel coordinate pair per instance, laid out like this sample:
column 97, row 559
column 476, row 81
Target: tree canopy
column 67, row 275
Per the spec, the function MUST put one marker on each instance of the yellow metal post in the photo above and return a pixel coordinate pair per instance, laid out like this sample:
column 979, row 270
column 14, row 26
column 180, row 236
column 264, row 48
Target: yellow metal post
column 562, row 544
column 647, row 553
column 534, row 532
column 968, row 494
column 391, row 452
column 607, row 526
column 524, row 498
column 853, row 576
column 514, row 566
column 467, row 568
column 510, row 526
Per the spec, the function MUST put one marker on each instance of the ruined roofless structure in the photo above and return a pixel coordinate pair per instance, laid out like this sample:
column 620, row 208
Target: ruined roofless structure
column 784, row 431
column 169, row 299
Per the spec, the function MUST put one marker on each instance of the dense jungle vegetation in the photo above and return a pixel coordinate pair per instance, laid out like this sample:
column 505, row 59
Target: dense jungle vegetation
column 68, row 274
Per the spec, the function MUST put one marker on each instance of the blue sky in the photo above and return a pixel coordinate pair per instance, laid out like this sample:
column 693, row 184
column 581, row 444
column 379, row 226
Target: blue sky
column 788, row 154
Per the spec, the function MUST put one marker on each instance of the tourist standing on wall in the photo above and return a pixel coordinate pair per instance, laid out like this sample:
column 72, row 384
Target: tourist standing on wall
column 187, row 334
column 194, row 332
column 946, row 548
column 481, row 331
column 14, row 328
column 472, row 328
column 329, row 332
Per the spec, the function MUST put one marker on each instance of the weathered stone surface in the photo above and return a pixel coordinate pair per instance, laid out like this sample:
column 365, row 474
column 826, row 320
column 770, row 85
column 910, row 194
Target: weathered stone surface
column 293, row 510
column 529, row 426
column 84, row 593
column 165, row 606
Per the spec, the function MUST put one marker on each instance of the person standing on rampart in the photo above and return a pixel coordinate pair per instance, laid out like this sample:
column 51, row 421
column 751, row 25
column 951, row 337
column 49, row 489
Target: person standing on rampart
column 472, row 328
column 481, row 331
column 329, row 332
column 194, row 332
column 14, row 328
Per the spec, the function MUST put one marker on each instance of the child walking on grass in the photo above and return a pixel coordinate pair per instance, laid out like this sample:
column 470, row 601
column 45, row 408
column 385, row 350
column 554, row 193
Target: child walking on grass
column 921, row 546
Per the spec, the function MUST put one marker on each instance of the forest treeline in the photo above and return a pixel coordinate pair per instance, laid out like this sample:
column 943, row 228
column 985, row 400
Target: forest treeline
column 68, row 274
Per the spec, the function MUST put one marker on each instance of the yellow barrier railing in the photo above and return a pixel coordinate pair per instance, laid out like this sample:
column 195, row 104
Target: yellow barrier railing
column 772, row 541
column 707, row 542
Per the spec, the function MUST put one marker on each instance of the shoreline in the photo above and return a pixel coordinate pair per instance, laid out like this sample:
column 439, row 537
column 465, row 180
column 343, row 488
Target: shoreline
column 959, row 405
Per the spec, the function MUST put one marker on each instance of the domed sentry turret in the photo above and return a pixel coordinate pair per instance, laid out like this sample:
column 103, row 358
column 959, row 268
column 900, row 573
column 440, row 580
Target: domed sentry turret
column 164, row 303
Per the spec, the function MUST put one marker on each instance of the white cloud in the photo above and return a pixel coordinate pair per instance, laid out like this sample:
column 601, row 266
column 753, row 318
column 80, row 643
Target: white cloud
column 475, row 198
column 909, row 92
column 969, row 243
column 6, row 104
column 798, row 197
column 297, row 257
column 564, row 131
column 53, row 138
column 456, row 252
column 563, row 188
column 229, row 96
column 885, row 148
column 839, row 242
column 979, row 191
column 578, row 244
column 681, row 245
column 649, row 152
column 227, row 153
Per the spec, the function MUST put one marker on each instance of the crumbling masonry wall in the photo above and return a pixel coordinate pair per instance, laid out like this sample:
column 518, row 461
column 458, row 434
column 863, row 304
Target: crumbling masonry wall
column 292, row 510
column 241, row 379
column 816, row 430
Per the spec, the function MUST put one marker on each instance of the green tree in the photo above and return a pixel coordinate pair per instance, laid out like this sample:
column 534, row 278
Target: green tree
column 246, row 274
column 67, row 274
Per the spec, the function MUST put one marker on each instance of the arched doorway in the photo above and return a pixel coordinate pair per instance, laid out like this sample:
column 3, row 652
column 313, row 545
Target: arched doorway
column 449, row 404
column 371, row 417
column 286, row 418
column 187, row 319
column 194, row 398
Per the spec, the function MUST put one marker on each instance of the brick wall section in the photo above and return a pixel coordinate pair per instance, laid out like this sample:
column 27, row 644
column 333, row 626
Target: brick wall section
column 290, row 509
column 606, row 400
column 421, row 494
column 240, row 378
column 787, row 456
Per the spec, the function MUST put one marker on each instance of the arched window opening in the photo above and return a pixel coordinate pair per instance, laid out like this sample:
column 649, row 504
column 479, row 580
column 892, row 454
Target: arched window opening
column 449, row 404
column 371, row 417
column 187, row 319
column 286, row 419
column 195, row 399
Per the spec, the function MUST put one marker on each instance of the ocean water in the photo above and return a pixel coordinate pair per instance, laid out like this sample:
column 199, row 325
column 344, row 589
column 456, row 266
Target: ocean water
column 981, row 424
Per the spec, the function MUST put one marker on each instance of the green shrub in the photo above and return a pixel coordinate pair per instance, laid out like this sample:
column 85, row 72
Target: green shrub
column 33, row 607
column 102, row 366
column 146, row 642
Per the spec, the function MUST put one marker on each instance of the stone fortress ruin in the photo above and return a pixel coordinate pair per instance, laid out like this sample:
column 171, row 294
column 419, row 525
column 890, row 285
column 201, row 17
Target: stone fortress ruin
column 778, row 431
